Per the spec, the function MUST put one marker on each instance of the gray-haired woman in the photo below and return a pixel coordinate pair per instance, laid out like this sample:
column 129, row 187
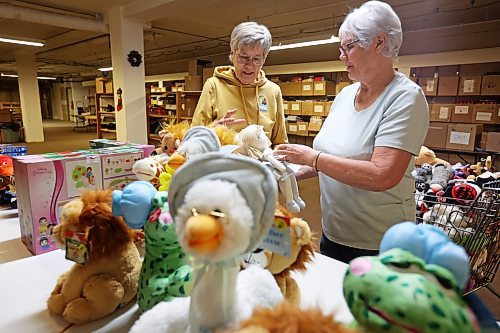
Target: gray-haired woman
column 241, row 95
column 365, row 150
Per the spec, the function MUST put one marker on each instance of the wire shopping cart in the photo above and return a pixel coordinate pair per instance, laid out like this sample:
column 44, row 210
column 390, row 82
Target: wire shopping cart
column 473, row 224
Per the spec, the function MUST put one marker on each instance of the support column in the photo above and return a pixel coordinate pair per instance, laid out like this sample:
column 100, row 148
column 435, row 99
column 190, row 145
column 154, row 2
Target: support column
column 126, row 36
column 30, row 96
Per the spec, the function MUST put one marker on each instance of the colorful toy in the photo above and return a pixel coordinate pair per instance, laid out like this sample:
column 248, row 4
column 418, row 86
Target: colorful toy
column 165, row 273
column 107, row 262
column 302, row 252
column 253, row 142
column 223, row 205
column 414, row 285
column 171, row 136
column 150, row 168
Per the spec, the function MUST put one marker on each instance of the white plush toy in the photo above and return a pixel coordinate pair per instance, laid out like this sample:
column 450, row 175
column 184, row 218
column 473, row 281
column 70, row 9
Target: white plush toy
column 253, row 142
column 223, row 206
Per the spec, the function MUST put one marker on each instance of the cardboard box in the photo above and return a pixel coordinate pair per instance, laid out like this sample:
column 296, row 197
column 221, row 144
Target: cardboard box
column 463, row 136
column 196, row 66
column 322, row 88
column 469, row 85
column 44, row 183
column 490, row 85
column 291, row 88
column 448, row 86
column 436, row 135
column 286, row 107
column 307, row 108
column 428, row 85
column 307, row 88
column 292, row 128
column 193, row 83
column 490, row 141
column 296, row 108
column 318, row 108
column 441, row 112
column 5, row 116
column 207, row 73
column 189, row 106
column 462, row 113
column 340, row 86
column 302, row 127
column 103, row 85
column 326, row 109
column 485, row 114
column 315, row 124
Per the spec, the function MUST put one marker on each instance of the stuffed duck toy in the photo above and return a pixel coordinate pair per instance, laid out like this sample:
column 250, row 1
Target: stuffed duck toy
column 223, row 206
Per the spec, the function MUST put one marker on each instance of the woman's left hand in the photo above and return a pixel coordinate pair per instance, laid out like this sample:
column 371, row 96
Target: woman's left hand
column 297, row 154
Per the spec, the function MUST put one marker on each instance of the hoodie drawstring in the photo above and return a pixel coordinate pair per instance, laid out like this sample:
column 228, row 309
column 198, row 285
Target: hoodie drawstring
column 247, row 118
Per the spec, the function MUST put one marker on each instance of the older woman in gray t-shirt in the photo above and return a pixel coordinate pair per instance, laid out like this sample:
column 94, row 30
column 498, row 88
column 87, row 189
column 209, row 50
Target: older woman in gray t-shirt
column 365, row 150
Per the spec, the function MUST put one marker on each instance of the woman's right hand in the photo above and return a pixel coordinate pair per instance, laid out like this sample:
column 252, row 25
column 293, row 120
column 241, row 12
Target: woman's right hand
column 228, row 120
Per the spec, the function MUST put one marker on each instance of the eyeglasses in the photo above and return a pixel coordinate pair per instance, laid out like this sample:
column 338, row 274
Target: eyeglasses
column 244, row 59
column 347, row 48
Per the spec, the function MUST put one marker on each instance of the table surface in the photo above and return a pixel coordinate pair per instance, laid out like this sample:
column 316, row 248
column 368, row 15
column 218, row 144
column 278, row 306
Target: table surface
column 25, row 285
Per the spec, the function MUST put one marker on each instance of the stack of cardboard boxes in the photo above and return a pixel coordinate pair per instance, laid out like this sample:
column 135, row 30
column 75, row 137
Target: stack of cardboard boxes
column 459, row 126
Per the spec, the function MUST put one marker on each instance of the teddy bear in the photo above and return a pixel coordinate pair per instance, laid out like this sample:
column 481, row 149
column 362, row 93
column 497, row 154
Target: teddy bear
column 107, row 262
column 302, row 252
column 253, row 142
column 426, row 155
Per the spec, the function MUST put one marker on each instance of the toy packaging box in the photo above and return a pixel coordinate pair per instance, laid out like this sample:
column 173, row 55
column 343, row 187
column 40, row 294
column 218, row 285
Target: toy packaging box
column 105, row 143
column 12, row 151
column 48, row 181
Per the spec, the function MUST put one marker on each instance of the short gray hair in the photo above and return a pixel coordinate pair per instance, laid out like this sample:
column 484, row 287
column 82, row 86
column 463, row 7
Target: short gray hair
column 251, row 34
column 372, row 18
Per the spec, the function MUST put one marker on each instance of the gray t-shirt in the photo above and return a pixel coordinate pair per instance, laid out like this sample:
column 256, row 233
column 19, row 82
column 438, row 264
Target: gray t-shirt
column 399, row 118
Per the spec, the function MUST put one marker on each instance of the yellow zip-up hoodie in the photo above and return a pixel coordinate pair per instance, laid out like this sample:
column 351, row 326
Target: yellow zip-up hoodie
column 258, row 103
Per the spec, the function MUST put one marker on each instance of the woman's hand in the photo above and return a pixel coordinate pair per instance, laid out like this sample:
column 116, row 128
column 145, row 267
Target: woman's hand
column 297, row 154
column 228, row 120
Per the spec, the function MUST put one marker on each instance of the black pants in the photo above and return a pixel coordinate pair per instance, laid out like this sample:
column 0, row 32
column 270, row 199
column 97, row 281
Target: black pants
column 341, row 252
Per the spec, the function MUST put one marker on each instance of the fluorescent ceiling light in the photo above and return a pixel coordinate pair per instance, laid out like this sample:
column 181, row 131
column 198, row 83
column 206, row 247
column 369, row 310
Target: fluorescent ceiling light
column 38, row 77
column 22, row 41
column 105, row 69
column 330, row 40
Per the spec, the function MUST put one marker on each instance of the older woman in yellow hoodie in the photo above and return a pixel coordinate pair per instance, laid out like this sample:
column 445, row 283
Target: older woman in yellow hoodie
column 241, row 95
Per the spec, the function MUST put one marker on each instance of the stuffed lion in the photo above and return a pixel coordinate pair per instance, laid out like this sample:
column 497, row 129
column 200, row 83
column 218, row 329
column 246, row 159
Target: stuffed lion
column 107, row 262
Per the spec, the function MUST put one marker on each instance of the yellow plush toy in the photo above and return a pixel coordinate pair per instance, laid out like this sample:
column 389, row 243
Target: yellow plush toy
column 302, row 252
column 107, row 263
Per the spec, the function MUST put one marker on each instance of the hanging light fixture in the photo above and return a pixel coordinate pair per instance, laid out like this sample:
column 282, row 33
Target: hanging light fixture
column 331, row 40
column 21, row 40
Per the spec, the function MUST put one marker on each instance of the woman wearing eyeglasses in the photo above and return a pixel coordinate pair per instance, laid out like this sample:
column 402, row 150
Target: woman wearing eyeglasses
column 365, row 150
column 241, row 95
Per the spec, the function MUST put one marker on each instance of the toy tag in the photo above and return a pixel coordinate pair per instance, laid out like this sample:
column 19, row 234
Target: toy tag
column 277, row 239
column 76, row 247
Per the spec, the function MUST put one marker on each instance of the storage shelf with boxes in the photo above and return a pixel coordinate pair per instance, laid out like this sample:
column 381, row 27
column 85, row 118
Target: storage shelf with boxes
column 464, row 106
column 307, row 99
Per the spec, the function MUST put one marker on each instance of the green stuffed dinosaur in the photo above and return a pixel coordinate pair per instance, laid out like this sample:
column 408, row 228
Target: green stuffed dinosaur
column 165, row 273
column 399, row 292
